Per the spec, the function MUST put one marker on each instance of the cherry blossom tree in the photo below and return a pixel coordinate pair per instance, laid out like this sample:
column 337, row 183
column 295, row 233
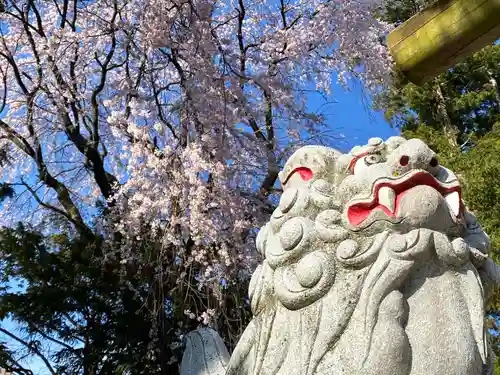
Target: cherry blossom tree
column 159, row 126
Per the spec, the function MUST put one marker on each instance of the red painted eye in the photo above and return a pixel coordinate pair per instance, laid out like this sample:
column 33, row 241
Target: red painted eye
column 305, row 174
column 404, row 160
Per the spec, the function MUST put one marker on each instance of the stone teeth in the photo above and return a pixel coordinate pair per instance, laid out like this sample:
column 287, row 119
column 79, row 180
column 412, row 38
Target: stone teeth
column 387, row 198
column 453, row 200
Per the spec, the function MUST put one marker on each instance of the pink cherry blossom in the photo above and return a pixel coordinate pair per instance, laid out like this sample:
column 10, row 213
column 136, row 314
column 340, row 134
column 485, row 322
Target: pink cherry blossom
column 176, row 115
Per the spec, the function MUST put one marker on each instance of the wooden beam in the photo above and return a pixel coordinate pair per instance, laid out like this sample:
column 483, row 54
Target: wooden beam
column 442, row 35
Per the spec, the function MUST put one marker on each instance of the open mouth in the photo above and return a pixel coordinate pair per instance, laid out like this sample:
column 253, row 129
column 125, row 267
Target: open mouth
column 387, row 194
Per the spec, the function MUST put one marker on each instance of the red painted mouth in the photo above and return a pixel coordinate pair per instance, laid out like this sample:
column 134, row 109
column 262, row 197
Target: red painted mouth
column 394, row 191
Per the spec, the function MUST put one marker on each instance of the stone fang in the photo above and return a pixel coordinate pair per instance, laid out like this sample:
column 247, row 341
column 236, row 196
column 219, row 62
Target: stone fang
column 387, row 198
column 453, row 200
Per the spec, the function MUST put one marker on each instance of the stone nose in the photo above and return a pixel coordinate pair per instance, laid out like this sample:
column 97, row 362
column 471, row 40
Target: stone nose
column 411, row 155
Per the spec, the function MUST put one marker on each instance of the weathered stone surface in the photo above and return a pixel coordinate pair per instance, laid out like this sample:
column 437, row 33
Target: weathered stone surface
column 372, row 265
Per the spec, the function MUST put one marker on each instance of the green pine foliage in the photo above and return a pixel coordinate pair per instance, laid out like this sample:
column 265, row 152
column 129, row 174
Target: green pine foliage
column 80, row 314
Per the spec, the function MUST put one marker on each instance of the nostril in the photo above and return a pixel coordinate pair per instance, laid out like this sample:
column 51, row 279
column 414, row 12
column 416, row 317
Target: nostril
column 404, row 160
column 434, row 162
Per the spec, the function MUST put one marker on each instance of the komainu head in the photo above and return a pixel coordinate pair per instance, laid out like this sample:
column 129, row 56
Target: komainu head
column 372, row 264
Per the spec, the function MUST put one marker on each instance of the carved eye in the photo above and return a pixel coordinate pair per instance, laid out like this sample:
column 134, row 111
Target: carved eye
column 404, row 160
column 434, row 162
column 373, row 159
column 305, row 174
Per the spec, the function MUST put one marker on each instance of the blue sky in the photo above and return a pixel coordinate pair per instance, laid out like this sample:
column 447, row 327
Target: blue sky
column 352, row 118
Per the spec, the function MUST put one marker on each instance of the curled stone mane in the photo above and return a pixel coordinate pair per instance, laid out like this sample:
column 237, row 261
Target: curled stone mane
column 372, row 265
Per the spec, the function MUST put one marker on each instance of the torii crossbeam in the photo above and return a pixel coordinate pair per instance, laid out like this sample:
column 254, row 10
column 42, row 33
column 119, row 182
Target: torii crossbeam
column 443, row 35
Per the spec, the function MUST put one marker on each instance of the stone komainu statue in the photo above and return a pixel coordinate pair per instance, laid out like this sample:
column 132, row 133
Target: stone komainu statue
column 372, row 266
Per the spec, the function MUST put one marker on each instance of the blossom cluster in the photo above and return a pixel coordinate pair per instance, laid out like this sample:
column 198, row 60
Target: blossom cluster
column 173, row 114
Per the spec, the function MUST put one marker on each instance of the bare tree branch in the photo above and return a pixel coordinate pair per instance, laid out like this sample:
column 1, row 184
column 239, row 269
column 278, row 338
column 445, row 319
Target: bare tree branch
column 30, row 347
